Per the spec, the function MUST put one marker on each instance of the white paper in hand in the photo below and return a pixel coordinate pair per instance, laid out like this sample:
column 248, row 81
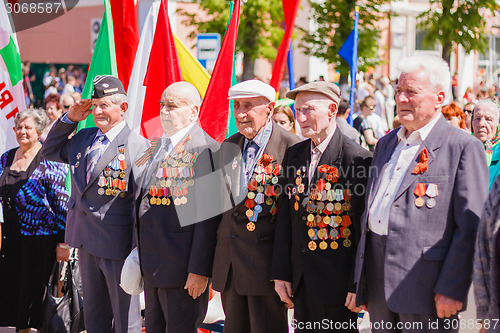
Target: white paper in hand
column 131, row 279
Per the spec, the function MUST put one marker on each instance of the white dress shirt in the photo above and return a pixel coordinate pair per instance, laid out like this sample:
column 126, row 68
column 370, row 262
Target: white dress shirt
column 317, row 152
column 397, row 168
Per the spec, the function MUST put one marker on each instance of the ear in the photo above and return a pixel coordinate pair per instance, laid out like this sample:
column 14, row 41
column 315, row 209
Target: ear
column 332, row 109
column 440, row 97
column 195, row 110
column 124, row 107
column 270, row 109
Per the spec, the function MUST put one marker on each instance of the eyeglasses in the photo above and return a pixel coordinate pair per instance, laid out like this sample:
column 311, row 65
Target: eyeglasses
column 371, row 107
column 66, row 106
column 468, row 111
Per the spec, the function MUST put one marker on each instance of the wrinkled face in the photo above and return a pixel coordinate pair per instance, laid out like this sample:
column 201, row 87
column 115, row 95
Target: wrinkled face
column 26, row 133
column 416, row 102
column 252, row 115
column 175, row 113
column 106, row 113
column 314, row 114
column 282, row 120
column 52, row 111
column 485, row 122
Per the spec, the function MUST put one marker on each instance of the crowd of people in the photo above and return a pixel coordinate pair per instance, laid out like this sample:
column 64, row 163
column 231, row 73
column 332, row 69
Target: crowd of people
column 298, row 210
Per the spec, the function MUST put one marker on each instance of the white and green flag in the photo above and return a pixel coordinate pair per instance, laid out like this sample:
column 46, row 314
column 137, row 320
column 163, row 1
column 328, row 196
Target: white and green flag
column 11, row 82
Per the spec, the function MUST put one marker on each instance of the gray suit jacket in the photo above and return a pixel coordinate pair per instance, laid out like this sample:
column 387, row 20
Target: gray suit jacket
column 102, row 224
column 429, row 250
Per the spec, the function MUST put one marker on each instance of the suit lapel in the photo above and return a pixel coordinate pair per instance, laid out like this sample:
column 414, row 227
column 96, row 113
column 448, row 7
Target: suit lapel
column 432, row 144
column 80, row 173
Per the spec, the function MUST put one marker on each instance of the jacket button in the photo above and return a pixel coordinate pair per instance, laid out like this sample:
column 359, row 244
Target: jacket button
column 303, row 250
column 235, row 213
column 233, row 235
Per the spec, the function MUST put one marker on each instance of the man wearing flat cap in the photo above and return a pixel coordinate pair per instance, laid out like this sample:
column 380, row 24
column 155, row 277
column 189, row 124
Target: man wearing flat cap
column 318, row 216
column 245, row 236
column 101, row 208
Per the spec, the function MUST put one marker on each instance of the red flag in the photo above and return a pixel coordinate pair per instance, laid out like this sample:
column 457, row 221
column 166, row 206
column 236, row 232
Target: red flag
column 163, row 70
column 126, row 30
column 215, row 108
column 290, row 9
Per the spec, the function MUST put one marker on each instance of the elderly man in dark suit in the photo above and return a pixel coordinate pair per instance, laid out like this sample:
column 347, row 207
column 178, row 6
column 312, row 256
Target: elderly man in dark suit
column 176, row 232
column 245, row 235
column 101, row 212
column 318, row 216
column 414, row 261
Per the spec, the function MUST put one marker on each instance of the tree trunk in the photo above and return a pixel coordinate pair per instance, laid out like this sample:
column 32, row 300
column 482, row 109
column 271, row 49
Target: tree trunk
column 248, row 67
column 446, row 54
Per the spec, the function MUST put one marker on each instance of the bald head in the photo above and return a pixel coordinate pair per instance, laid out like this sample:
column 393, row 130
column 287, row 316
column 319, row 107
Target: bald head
column 180, row 104
column 184, row 91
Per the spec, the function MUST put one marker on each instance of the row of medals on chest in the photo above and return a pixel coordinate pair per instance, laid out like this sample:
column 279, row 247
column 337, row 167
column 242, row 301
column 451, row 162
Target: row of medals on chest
column 112, row 181
column 323, row 201
column 173, row 178
column 262, row 185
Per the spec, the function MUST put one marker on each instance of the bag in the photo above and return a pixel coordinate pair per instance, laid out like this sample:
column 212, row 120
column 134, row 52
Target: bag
column 62, row 314
column 131, row 279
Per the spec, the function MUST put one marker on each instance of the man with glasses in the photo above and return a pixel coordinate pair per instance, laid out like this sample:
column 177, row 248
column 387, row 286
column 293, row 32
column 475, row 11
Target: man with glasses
column 468, row 108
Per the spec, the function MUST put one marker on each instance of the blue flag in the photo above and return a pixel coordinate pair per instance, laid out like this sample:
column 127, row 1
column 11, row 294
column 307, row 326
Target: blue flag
column 349, row 51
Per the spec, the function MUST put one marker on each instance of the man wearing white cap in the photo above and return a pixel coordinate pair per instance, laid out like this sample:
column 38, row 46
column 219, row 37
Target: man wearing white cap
column 245, row 236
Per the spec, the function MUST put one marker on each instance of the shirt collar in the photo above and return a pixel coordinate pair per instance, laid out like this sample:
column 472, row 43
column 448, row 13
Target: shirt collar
column 421, row 133
column 113, row 132
column 177, row 137
column 322, row 146
column 261, row 138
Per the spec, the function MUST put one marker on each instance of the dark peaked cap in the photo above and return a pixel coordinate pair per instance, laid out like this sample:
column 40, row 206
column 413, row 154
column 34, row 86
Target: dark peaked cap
column 328, row 89
column 107, row 85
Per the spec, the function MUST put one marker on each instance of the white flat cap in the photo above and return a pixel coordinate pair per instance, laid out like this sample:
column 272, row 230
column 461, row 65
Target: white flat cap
column 252, row 88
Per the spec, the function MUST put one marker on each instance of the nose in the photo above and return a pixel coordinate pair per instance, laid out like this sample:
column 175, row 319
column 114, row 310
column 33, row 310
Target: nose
column 401, row 97
column 301, row 117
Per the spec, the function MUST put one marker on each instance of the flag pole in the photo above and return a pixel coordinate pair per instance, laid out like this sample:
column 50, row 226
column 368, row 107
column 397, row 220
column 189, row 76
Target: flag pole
column 354, row 66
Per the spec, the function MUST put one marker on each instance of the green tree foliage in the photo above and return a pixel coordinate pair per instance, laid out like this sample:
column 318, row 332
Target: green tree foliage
column 334, row 21
column 456, row 21
column 260, row 31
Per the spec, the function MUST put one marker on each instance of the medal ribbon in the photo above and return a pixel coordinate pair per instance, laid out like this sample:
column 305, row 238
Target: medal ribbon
column 432, row 190
column 421, row 166
column 420, row 190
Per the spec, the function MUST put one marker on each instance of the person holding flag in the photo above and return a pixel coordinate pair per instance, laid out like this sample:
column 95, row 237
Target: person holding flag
column 101, row 209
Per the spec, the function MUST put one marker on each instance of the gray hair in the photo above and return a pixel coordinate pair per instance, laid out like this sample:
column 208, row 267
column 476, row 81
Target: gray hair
column 118, row 99
column 486, row 103
column 69, row 95
column 38, row 115
column 434, row 68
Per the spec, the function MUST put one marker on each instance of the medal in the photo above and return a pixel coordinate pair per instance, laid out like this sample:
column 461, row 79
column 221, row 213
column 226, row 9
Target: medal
column 152, row 201
column 114, row 192
column 296, row 205
column 419, row 191
column 184, row 200
column 327, row 220
column 100, row 191
column 346, row 206
column 107, row 172
column 249, row 213
column 300, row 188
column 337, row 219
column 346, row 243
column 338, row 206
column 330, row 206
column 432, row 192
column 334, row 245
column 311, row 233
column 77, row 164
column 177, row 201
column 122, row 174
column 108, row 191
column 250, row 226
column 251, row 195
column 269, row 201
column 323, row 245
column 122, row 194
column 312, row 245
column 116, row 173
column 260, row 189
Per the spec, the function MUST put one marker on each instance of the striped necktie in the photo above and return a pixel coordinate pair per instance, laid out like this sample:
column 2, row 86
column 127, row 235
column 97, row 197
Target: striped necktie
column 94, row 155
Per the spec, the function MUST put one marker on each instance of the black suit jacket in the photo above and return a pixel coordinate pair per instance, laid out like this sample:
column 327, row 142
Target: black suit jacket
column 247, row 252
column 177, row 240
column 328, row 274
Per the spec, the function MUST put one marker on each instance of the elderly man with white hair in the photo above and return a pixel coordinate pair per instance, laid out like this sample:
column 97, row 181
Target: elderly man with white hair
column 176, row 235
column 414, row 260
column 245, row 237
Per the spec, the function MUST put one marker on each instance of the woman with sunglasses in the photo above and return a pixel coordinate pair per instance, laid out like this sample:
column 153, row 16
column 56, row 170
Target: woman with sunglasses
column 369, row 125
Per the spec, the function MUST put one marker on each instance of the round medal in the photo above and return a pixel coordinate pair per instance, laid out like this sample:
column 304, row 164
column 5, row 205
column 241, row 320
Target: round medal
column 152, row 201
column 311, row 233
column 346, row 206
column 419, row 202
column 173, row 183
column 431, row 203
column 346, row 232
column 334, row 245
column 108, row 191
column 164, row 164
column 327, row 220
column 184, row 200
column 170, row 161
column 100, row 191
column 249, row 213
column 310, row 217
column 122, row 194
column 260, row 189
column 346, row 243
column 191, row 182
column 337, row 219
column 318, row 219
column 298, row 180
column 269, row 201
column 328, row 186
column 168, row 201
column 168, row 182
column 321, row 206
column 258, row 178
column 250, row 226
column 274, row 180
column 114, row 192
column 321, row 233
column 312, row 245
column 323, row 245
column 121, row 157
column 329, row 206
column 338, row 206
column 251, row 195
column 319, row 196
column 175, row 163
column 164, row 201
column 122, row 174
column 116, row 173
column 177, row 201
column 301, row 188
column 185, row 183
column 163, row 183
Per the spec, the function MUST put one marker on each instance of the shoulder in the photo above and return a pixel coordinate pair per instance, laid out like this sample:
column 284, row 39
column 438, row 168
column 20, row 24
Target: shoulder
column 235, row 138
column 285, row 136
column 203, row 139
column 353, row 149
column 300, row 147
